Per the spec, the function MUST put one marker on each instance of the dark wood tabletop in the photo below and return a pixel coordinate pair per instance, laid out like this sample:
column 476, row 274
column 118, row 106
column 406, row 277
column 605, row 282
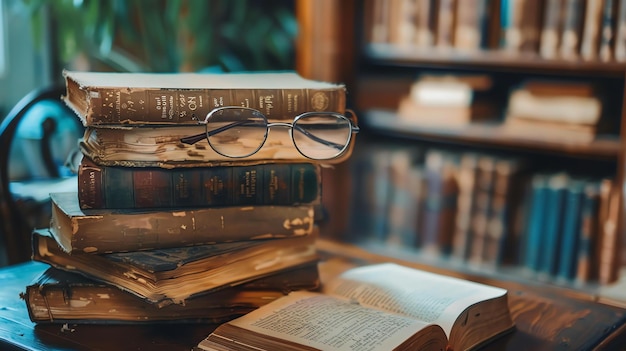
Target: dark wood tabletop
column 544, row 321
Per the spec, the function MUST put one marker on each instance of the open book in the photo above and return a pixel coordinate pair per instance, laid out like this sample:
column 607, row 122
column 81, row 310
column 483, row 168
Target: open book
column 378, row 307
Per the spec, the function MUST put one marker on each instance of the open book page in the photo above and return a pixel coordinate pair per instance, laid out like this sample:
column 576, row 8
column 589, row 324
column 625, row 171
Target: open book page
column 325, row 322
column 422, row 295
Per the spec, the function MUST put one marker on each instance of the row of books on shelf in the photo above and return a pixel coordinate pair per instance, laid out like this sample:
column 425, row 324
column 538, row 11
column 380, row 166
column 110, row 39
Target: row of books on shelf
column 558, row 109
column 488, row 211
column 567, row 29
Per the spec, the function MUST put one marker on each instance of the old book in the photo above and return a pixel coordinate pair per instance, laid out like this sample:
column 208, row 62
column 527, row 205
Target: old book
column 58, row 296
column 610, row 241
column 586, row 269
column 572, row 28
column 551, row 27
column 425, row 23
column 466, row 179
column 552, row 231
column 607, row 31
column 382, row 307
column 160, row 146
column 535, row 225
column 111, row 230
column 439, row 202
column 590, row 42
column 445, row 23
column 469, row 31
column 174, row 275
column 278, row 184
column 570, row 232
column 503, row 228
column 183, row 98
column 481, row 211
column 620, row 32
column 520, row 23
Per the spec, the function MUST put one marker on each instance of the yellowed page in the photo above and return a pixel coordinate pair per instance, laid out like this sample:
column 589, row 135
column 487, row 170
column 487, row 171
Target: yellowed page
column 326, row 322
column 429, row 297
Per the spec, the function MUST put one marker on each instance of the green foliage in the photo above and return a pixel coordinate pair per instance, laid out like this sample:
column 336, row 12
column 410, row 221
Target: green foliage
column 173, row 35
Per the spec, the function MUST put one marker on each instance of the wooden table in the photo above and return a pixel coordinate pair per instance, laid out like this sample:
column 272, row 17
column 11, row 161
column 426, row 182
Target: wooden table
column 544, row 320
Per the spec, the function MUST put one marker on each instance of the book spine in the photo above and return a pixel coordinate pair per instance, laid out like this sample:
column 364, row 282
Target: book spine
column 571, row 32
column 588, row 235
column 570, row 233
column 101, row 187
column 482, row 209
column 589, row 46
column 549, row 41
column 609, row 247
column 120, row 231
column 552, row 236
column 535, row 222
column 620, row 32
column 468, row 169
column 607, row 34
column 187, row 106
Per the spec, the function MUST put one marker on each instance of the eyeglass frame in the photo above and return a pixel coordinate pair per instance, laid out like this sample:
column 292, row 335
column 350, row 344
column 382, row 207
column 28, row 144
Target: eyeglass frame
column 354, row 129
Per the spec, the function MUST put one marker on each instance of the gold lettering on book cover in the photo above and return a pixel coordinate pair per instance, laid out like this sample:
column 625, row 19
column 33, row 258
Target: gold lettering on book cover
column 319, row 101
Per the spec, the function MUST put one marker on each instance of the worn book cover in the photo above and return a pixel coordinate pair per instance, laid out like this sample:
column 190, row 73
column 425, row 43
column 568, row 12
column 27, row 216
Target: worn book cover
column 107, row 98
column 118, row 230
column 174, row 275
column 58, row 296
column 153, row 187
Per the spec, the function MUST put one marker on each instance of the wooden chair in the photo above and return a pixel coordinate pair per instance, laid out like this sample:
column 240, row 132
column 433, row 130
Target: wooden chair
column 15, row 226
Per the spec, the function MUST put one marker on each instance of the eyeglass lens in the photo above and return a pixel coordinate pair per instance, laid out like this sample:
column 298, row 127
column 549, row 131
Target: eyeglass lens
column 240, row 132
column 236, row 132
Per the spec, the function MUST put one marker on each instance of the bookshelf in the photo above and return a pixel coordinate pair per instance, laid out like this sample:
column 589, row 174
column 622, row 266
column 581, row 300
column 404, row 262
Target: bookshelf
column 381, row 73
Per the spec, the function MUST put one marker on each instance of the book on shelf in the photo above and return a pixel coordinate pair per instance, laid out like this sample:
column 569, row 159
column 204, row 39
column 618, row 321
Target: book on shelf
column 439, row 202
column 572, row 28
column 58, row 296
column 571, row 226
column 383, row 306
column 470, row 28
column 106, row 98
column 466, row 179
column 607, row 31
column 481, row 209
column 552, row 24
column 113, row 230
column 552, row 231
column 586, row 268
column 620, row 32
column 444, row 24
column 174, row 275
column 278, row 184
column 590, row 41
column 447, row 100
column 520, row 25
column 609, row 240
column 536, row 218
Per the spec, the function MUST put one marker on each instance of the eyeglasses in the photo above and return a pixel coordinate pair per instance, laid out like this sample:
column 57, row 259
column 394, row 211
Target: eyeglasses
column 238, row 132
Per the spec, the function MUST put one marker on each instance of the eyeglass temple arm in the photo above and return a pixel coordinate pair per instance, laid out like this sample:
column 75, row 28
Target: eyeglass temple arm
column 190, row 140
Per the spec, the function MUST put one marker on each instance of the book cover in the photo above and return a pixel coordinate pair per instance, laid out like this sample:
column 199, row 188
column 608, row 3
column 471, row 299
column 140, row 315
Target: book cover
column 101, row 98
column 113, row 230
column 176, row 274
column 277, row 184
column 466, row 178
column 58, row 296
column 481, row 210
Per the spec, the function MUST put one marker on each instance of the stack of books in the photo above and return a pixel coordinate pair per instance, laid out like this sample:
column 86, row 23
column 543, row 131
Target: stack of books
column 173, row 221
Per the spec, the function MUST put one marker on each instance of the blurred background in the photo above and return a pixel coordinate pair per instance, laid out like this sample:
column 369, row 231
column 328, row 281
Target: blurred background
column 40, row 38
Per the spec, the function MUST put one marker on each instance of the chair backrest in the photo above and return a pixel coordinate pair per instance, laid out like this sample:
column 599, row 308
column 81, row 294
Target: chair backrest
column 37, row 114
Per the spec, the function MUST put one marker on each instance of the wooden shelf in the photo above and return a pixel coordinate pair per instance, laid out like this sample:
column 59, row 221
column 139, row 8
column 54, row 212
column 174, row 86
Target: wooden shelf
column 493, row 59
column 488, row 134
